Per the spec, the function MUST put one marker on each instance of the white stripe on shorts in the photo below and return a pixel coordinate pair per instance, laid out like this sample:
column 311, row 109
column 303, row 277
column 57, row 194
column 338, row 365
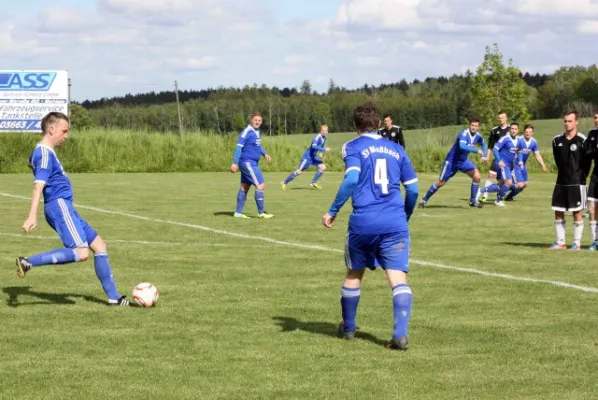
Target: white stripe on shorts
column 255, row 182
column 69, row 223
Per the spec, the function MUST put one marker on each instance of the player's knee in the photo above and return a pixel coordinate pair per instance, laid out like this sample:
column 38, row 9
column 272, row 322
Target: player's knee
column 98, row 245
column 508, row 182
column 261, row 186
column 82, row 253
column 322, row 167
column 440, row 183
column 299, row 171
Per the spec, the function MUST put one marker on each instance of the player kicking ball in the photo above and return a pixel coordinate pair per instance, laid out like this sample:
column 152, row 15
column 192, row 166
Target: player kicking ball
column 310, row 157
column 76, row 234
column 248, row 153
column 457, row 160
column 378, row 233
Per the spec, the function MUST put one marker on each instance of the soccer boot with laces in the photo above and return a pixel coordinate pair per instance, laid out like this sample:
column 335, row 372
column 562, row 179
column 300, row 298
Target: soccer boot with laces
column 484, row 197
column 476, row 205
column 346, row 335
column 315, row 186
column 421, row 204
column 23, row 266
column 575, row 247
column 499, row 203
column 265, row 215
column 398, row 344
column 283, row 186
column 240, row 215
column 122, row 302
column 558, row 246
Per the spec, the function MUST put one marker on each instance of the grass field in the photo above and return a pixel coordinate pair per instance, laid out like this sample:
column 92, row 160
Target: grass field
column 249, row 310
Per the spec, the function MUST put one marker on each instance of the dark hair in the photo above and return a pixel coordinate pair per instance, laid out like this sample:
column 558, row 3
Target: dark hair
column 574, row 112
column 515, row 124
column 501, row 112
column 386, row 116
column 528, row 126
column 256, row 114
column 52, row 118
column 472, row 120
column 366, row 117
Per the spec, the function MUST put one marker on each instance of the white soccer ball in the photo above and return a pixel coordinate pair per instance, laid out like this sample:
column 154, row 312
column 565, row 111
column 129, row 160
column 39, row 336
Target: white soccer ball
column 145, row 295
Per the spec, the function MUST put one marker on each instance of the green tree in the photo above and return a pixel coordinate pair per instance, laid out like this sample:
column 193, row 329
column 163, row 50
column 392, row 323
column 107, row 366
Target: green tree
column 497, row 87
column 80, row 117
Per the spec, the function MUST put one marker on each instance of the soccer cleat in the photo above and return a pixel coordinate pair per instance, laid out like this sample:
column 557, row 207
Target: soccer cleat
column 283, row 186
column 240, row 215
column 23, row 266
column 575, row 247
column 422, row 204
column 345, row 335
column 265, row 215
column 315, row 185
column 398, row 344
column 499, row 203
column 558, row 246
column 476, row 205
column 593, row 247
column 120, row 302
column 509, row 199
column 484, row 197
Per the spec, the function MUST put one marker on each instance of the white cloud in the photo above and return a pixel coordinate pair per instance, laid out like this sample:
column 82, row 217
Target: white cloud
column 123, row 46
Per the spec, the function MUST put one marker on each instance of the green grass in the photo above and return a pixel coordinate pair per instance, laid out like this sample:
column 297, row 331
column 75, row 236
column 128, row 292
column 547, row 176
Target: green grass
column 242, row 318
column 126, row 151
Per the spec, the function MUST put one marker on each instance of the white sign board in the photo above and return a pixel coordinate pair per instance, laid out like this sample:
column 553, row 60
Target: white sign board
column 27, row 96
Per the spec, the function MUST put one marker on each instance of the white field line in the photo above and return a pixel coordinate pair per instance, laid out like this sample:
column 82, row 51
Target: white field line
column 567, row 285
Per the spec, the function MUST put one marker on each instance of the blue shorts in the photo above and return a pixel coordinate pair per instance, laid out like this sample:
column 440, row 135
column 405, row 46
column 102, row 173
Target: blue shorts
column 307, row 162
column 520, row 174
column 450, row 168
column 73, row 230
column 251, row 173
column 388, row 250
column 503, row 174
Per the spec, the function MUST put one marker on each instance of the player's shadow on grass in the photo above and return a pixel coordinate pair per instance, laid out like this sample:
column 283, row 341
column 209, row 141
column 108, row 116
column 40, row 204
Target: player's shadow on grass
column 15, row 292
column 289, row 324
column 224, row 213
column 532, row 245
column 442, row 206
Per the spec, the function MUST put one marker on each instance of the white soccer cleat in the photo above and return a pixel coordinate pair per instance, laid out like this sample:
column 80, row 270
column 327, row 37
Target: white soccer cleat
column 499, row 203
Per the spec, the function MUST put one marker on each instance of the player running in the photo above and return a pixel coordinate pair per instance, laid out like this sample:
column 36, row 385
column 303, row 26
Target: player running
column 505, row 153
column 527, row 145
column 76, row 234
column 310, row 157
column 378, row 232
column 457, row 160
column 592, row 154
column 569, row 193
column 496, row 133
column 247, row 156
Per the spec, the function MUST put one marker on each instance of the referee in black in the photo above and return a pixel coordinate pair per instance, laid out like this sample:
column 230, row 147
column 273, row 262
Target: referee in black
column 569, row 195
column 392, row 132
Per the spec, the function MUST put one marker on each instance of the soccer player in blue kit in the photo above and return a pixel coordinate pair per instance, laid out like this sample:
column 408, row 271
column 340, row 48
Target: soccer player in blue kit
column 457, row 160
column 378, row 232
column 248, row 153
column 76, row 234
column 310, row 157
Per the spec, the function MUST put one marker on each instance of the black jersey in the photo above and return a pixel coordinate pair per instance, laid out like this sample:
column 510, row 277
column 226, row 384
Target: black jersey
column 570, row 157
column 395, row 133
column 496, row 134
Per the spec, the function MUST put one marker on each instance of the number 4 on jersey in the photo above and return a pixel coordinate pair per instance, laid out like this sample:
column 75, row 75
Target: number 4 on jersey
column 381, row 176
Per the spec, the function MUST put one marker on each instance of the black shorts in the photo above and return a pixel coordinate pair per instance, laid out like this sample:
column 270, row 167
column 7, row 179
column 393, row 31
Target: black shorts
column 569, row 198
column 593, row 190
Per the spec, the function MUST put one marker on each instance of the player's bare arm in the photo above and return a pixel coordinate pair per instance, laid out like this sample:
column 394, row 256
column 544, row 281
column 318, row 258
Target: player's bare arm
column 31, row 222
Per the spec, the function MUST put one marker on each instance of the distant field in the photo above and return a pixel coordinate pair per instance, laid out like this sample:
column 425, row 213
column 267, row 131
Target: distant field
column 249, row 308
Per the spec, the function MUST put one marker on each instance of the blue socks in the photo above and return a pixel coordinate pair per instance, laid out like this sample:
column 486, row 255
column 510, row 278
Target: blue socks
column 317, row 176
column 401, row 302
column 259, row 200
column 514, row 192
column 104, row 274
column 503, row 192
column 56, row 256
column 475, row 187
column 349, row 302
column 241, row 197
column 292, row 176
column 491, row 189
column 433, row 189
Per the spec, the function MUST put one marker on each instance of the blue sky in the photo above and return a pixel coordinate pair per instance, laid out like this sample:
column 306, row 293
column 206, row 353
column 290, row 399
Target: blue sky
column 114, row 47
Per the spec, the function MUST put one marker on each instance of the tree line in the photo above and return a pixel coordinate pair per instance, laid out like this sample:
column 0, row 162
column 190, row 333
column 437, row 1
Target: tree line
column 414, row 105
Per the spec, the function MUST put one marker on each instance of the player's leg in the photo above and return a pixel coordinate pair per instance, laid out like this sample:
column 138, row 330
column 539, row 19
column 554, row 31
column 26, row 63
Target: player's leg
column 470, row 170
column 242, row 196
column 257, row 179
column 60, row 215
column 507, row 183
column 592, row 207
column 447, row 172
column 393, row 255
column 318, row 175
column 359, row 254
column 559, row 206
column 303, row 165
column 489, row 182
column 577, row 204
column 519, row 182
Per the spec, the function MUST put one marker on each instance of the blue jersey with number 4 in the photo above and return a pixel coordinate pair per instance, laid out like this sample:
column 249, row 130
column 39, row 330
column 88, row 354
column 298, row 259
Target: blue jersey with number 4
column 378, row 206
column 48, row 170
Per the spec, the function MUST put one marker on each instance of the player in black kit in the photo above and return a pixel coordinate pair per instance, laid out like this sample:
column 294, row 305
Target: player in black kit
column 569, row 195
column 496, row 133
column 592, row 154
column 392, row 132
